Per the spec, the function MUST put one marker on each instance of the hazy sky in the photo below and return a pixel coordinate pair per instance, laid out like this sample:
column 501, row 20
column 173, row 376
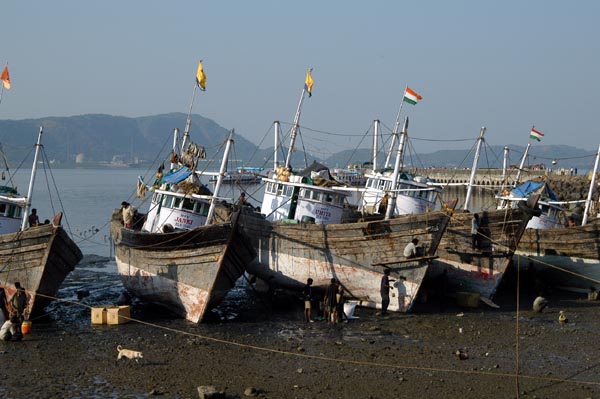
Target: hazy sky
column 506, row 65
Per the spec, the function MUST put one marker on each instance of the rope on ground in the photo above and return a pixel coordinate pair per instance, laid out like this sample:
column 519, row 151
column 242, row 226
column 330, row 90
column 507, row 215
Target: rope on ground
column 344, row 361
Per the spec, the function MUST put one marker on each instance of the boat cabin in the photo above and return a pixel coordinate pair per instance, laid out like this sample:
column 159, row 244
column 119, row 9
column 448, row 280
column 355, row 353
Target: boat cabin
column 11, row 210
column 298, row 200
column 414, row 195
column 170, row 211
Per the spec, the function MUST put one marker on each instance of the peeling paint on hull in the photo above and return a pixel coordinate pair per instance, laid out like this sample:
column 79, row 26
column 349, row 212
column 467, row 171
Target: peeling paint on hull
column 40, row 258
column 187, row 272
column 354, row 253
column 479, row 270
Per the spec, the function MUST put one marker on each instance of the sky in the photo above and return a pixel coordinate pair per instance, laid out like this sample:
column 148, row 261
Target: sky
column 506, row 65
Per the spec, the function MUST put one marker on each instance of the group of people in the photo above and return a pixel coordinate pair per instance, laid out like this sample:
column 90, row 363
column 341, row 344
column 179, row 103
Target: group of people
column 12, row 313
column 333, row 302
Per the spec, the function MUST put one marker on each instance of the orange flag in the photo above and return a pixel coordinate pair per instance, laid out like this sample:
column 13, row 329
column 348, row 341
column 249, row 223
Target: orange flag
column 5, row 78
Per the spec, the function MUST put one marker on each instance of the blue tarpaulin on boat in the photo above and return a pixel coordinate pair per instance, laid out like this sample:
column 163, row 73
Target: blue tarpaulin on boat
column 528, row 188
column 176, row 176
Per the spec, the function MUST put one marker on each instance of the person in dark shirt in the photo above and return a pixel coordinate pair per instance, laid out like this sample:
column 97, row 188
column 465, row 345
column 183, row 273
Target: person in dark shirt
column 308, row 297
column 385, row 291
column 330, row 300
column 33, row 219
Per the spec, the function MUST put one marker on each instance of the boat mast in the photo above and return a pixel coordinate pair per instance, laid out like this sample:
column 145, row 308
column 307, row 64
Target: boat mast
column 200, row 82
column 188, row 122
column 474, row 168
column 399, row 160
column 375, row 139
column 277, row 129
column 295, row 125
column 504, row 166
column 522, row 162
column 395, row 132
column 38, row 147
column 213, row 200
column 588, row 201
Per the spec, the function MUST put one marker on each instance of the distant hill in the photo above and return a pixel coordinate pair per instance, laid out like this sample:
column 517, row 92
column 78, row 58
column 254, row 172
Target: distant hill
column 97, row 139
column 490, row 157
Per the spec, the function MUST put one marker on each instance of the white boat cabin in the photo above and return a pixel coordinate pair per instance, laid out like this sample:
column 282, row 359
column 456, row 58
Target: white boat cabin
column 172, row 208
column 11, row 210
column 171, row 211
column 298, row 200
column 414, row 195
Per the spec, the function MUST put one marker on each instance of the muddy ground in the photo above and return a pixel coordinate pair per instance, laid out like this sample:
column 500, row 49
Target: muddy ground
column 254, row 343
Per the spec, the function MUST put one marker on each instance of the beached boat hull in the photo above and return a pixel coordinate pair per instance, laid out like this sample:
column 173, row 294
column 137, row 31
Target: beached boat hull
column 469, row 270
column 566, row 258
column 187, row 272
column 356, row 254
column 40, row 258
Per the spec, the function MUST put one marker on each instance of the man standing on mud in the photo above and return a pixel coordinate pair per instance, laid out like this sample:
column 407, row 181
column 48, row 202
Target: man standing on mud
column 385, row 291
column 18, row 304
column 330, row 300
column 308, row 297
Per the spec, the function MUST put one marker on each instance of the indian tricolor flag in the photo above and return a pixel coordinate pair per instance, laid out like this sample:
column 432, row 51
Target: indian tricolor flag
column 411, row 97
column 534, row 134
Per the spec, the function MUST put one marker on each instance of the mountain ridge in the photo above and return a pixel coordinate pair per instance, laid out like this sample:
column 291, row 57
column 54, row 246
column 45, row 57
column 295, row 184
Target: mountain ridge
column 101, row 139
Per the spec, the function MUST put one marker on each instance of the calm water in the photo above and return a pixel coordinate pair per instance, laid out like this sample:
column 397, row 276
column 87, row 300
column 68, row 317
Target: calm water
column 88, row 198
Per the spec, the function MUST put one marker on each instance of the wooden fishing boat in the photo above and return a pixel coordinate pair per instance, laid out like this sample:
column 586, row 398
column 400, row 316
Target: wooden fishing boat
column 468, row 269
column 355, row 253
column 38, row 257
column 463, row 268
column 565, row 257
column 186, row 252
column 188, row 272
column 306, row 231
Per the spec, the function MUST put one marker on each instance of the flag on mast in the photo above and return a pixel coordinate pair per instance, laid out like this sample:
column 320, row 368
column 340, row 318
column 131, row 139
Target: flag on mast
column 201, row 77
column 5, row 78
column 411, row 97
column 536, row 135
column 308, row 83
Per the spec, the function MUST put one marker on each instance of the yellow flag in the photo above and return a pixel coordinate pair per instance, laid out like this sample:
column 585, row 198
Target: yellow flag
column 5, row 78
column 201, row 77
column 308, row 84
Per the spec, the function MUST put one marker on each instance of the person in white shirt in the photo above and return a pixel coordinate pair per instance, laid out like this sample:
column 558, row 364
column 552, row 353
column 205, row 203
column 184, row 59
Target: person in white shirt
column 411, row 250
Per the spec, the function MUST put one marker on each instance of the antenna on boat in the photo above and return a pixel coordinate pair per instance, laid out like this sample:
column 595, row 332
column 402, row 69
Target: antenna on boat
column 588, row 201
column 474, row 168
column 277, row 129
column 38, row 147
column 295, row 126
column 504, row 166
column 375, row 142
column 213, row 200
column 399, row 155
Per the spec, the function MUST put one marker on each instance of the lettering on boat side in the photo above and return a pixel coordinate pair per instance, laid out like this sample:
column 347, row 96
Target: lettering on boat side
column 323, row 214
column 179, row 220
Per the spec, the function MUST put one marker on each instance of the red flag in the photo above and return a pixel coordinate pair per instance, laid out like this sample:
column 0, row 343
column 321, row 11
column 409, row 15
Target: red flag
column 5, row 78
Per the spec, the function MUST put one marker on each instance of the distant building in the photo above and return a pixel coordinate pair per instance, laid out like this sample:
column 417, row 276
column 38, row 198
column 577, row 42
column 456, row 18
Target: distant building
column 80, row 158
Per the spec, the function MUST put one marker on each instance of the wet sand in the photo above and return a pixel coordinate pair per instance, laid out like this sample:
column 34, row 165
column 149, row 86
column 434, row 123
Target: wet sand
column 254, row 342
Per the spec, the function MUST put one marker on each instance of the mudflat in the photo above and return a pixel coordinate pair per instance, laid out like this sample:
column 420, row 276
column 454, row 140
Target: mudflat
column 437, row 351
